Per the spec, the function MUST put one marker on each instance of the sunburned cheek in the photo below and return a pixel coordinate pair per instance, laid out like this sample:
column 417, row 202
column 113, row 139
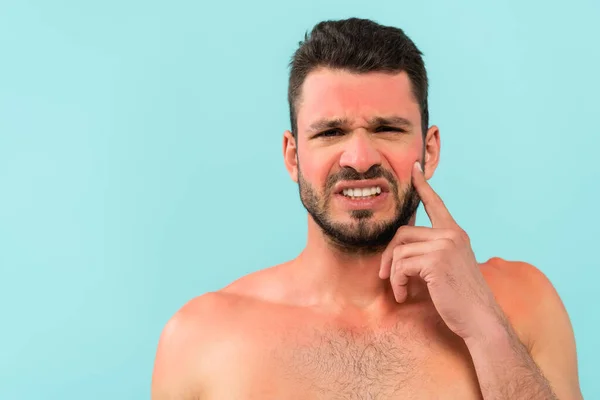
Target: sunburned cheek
column 403, row 165
column 313, row 172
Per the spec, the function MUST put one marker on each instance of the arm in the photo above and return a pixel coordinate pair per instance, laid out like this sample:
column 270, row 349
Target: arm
column 553, row 342
column 443, row 257
column 505, row 368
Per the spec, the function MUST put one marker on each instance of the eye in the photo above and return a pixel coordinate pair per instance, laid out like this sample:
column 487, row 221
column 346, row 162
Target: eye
column 389, row 129
column 330, row 133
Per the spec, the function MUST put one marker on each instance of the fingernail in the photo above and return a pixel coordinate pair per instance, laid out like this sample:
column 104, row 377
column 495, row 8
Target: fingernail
column 418, row 164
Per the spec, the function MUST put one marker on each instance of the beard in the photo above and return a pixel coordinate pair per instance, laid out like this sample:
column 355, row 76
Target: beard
column 363, row 235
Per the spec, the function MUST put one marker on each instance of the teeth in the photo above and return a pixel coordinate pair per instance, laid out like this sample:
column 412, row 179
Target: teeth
column 365, row 192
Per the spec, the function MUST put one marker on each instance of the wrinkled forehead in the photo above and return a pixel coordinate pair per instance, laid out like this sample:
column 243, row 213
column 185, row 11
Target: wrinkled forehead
column 359, row 98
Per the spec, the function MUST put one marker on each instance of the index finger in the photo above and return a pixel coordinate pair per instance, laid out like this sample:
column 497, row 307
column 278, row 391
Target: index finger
column 434, row 206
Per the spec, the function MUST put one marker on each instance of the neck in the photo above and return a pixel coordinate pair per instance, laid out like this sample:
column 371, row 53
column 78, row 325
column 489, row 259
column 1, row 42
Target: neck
column 340, row 280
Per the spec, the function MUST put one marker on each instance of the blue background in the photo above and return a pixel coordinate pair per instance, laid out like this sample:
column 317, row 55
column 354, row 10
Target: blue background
column 141, row 165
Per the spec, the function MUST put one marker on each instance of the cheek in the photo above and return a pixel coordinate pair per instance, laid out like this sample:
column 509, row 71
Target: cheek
column 402, row 163
column 314, row 170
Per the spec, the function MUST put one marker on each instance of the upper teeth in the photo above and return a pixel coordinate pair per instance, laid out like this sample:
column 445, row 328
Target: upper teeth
column 362, row 192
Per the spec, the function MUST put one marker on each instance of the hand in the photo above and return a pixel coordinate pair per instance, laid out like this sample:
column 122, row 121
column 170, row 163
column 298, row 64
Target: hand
column 443, row 258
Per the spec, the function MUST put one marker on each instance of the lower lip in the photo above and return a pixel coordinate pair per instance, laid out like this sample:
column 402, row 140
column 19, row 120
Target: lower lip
column 360, row 203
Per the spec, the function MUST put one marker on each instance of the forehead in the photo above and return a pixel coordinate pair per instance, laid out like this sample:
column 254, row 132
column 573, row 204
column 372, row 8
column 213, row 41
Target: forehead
column 328, row 93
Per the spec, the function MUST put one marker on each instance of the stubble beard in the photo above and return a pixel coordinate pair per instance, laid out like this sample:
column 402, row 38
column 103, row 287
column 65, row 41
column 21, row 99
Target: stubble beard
column 364, row 235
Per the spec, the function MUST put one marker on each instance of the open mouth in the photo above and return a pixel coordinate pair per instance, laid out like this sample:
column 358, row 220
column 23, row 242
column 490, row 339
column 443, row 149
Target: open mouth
column 362, row 193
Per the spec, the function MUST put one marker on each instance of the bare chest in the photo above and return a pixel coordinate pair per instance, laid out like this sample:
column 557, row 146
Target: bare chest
column 423, row 360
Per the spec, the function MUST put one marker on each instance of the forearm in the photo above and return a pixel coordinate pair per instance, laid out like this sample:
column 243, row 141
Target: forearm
column 505, row 369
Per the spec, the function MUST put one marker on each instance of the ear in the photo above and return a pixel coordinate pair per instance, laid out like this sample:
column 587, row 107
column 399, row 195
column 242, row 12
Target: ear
column 432, row 151
column 290, row 155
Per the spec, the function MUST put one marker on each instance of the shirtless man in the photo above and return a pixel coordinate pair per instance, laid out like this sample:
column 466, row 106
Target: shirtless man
column 374, row 307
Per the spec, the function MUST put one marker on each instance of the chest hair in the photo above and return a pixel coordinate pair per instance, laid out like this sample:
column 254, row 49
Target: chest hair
column 345, row 364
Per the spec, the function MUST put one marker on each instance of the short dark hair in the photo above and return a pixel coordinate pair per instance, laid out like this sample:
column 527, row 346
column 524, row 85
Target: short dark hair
column 359, row 46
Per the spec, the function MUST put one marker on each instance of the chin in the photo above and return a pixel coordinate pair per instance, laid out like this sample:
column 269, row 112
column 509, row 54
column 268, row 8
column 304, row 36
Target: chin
column 366, row 215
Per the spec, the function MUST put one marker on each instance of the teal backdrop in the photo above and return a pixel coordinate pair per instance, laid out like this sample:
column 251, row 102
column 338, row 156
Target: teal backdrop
column 141, row 163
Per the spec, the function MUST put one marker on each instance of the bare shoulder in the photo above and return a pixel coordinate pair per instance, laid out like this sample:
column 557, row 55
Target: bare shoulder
column 524, row 292
column 520, row 287
column 538, row 315
column 183, row 355
column 206, row 326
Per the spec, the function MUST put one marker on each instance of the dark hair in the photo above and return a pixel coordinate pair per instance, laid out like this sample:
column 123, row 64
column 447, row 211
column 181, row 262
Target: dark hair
column 359, row 46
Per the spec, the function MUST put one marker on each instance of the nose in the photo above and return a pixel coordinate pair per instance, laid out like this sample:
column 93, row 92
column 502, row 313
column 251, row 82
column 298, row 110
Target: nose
column 360, row 153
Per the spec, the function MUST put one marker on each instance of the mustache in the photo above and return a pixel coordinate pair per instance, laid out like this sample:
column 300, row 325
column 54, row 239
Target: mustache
column 350, row 174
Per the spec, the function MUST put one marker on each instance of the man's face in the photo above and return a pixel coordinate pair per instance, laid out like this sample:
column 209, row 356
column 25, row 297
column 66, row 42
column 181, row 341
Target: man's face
column 358, row 138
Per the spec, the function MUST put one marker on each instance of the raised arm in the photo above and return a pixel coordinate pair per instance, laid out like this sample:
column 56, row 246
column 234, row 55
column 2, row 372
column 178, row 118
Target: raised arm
column 544, row 369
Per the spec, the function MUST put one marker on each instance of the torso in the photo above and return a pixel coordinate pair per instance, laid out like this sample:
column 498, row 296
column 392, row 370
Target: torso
column 277, row 353
column 264, row 350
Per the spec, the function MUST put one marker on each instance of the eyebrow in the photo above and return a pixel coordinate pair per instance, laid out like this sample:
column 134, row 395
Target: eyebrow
column 392, row 120
column 326, row 123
